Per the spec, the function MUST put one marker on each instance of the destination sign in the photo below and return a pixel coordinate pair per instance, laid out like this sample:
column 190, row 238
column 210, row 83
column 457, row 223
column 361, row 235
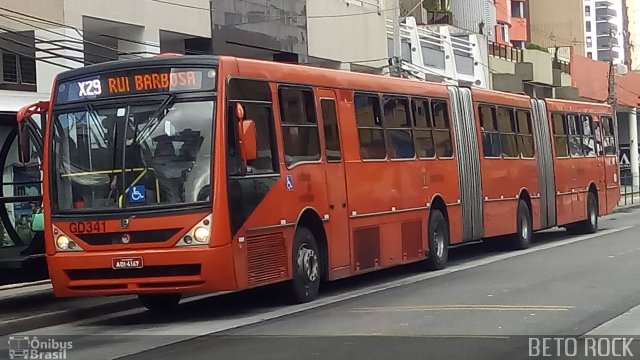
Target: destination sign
column 134, row 82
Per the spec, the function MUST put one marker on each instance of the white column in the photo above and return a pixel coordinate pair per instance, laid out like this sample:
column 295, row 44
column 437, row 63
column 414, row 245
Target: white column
column 144, row 42
column 633, row 146
column 56, row 51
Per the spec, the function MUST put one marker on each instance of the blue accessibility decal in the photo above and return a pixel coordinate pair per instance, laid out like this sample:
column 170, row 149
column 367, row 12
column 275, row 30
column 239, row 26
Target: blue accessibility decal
column 289, row 182
column 137, row 194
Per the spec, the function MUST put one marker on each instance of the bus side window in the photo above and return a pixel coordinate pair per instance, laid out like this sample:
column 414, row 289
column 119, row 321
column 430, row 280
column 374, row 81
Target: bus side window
column 331, row 130
column 575, row 138
column 588, row 140
column 423, row 128
column 398, row 125
column 609, row 136
column 441, row 128
column 560, row 135
column 490, row 134
column 507, row 127
column 255, row 96
column 525, row 134
column 299, row 126
column 369, row 121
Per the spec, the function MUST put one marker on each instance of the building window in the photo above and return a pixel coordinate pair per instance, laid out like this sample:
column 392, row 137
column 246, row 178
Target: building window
column 517, row 9
column 590, row 55
column 370, row 131
column 589, row 41
column 587, row 10
column 299, row 125
column 588, row 26
column 18, row 69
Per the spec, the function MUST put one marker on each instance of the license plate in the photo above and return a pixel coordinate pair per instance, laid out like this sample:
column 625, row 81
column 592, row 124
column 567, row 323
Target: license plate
column 127, row 263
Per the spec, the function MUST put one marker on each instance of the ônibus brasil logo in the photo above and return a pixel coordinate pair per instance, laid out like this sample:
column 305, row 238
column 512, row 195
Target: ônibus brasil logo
column 31, row 348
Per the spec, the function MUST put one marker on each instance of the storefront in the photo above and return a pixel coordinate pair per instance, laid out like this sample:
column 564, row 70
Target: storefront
column 21, row 250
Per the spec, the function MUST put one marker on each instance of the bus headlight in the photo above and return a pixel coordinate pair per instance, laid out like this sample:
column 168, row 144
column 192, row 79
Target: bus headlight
column 199, row 234
column 64, row 243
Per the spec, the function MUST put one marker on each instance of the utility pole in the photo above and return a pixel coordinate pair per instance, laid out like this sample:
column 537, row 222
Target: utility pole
column 396, row 60
column 612, row 76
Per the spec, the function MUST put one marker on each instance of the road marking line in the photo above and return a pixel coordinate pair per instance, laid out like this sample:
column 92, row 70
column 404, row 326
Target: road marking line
column 453, row 309
column 11, row 321
column 217, row 325
column 464, row 307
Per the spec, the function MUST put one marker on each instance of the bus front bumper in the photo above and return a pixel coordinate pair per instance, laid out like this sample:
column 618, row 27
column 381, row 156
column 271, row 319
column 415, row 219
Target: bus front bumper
column 184, row 270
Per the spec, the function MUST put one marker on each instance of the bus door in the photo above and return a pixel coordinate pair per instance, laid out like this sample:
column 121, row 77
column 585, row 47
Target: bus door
column 608, row 162
column 338, row 225
column 22, row 244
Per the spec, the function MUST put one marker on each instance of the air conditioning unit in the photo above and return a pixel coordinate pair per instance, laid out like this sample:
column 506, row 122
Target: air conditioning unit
column 622, row 69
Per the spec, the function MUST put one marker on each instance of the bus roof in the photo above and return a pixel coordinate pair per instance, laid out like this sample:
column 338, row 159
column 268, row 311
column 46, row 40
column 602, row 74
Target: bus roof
column 12, row 101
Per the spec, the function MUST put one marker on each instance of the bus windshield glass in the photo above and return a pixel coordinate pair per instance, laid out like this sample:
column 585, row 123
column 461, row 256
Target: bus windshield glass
column 131, row 155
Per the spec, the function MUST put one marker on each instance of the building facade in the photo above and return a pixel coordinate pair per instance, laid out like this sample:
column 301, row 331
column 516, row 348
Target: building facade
column 550, row 26
column 604, row 34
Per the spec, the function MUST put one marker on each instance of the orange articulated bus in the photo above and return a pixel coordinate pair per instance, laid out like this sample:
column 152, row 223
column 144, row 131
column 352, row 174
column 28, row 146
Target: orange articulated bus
column 183, row 174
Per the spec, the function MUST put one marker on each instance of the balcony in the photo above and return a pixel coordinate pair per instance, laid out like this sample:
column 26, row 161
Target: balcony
column 604, row 41
column 605, row 28
column 439, row 17
column 603, row 55
column 505, row 52
column 604, row 4
column 605, row 14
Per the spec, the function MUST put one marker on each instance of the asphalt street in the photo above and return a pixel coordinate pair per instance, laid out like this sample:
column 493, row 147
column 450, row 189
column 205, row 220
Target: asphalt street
column 488, row 304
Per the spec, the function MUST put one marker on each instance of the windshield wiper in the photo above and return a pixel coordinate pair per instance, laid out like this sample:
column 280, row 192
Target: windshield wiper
column 155, row 119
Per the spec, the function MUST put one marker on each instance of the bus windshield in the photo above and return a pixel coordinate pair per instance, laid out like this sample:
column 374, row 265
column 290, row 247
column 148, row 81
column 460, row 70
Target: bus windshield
column 132, row 155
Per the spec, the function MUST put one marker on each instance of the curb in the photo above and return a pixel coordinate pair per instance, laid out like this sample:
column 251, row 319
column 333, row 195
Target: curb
column 24, row 285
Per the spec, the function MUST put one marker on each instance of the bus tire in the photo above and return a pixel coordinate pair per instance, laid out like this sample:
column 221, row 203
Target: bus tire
column 305, row 284
column 438, row 238
column 590, row 224
column 524, row 228
column 160, row 302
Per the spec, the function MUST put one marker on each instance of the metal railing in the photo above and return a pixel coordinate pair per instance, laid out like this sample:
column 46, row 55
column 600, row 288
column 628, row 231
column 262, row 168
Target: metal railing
column 375, row 4
column 628, row 194
column 439, row 17
column 505, row 52
column 563, row 66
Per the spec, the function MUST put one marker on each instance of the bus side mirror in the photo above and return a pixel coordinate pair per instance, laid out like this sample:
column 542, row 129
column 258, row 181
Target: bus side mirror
column 24, row 143
column 248, row 142
column 247, row 135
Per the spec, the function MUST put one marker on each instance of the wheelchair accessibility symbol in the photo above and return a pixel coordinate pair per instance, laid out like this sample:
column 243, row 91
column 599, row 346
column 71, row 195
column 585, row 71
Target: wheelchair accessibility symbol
column 289, row 182
column 137, row 194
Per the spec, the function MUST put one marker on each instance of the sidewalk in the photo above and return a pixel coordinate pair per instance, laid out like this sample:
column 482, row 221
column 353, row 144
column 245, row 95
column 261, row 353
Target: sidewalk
column 14, row 291
column 625, row 324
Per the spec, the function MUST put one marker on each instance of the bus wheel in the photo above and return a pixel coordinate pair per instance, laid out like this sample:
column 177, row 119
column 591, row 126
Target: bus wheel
column 160, row 302
column 590, row 224
column 305, row 284
column 438, row 233
column 522, row 239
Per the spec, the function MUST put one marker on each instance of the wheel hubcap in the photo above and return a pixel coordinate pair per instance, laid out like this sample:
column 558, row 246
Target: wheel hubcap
column 524, row 226
column 308, row 263
column 438, row 237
